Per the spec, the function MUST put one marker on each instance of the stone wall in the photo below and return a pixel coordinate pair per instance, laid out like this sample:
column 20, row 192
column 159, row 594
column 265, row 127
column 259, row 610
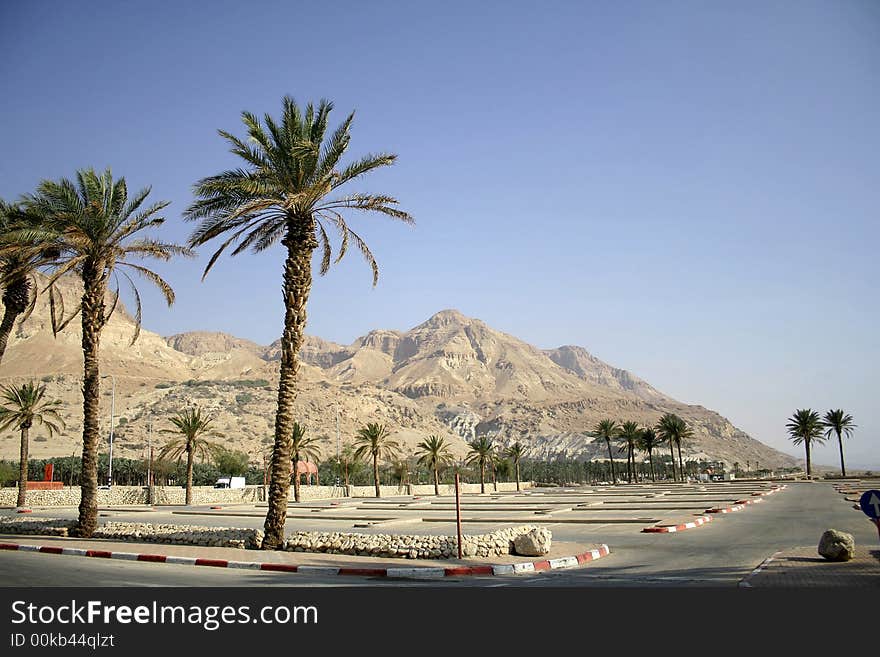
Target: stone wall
column 140, row 532
column 497, row 543
column 132, row 495
column 129, row 495
column 206, row 495
column 370, row 491
column 307, row 493
column 407, row 546
column 468, row 489
column 70, row 496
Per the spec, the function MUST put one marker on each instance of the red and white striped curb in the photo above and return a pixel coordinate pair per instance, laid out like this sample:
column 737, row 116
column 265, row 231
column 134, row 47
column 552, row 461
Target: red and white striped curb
column 739, row 505
column 668, row 529
column 417, row 571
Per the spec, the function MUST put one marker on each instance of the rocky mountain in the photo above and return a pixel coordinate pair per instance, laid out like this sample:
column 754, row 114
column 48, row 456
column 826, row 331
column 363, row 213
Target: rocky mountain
column 451, row 375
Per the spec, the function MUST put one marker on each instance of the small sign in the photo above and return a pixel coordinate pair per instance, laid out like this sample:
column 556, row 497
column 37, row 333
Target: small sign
column 870, row 503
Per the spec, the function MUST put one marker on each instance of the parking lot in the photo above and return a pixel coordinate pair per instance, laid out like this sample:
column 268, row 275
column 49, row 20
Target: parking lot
column 596, row 514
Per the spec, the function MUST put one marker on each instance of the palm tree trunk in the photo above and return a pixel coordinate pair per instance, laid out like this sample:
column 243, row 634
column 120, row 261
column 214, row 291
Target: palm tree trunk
column 300, row 242
column 23, row 466
column 651, row 459
column 6, row 325
column 611, row 458
column 672, row 452
column 189, row 475
column 809, row 466
column 680, row 464
column 92, row 322
column 842, row 465
column 517, row 474
column 482, row 477
column 436, row 482
column 15, row 300
column 376, row 475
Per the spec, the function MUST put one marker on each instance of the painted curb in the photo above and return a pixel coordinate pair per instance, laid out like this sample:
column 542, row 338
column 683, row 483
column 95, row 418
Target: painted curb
column 409, row 572
column 677, row 528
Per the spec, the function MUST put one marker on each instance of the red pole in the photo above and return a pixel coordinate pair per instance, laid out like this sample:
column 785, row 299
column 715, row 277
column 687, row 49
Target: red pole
column 458, row 514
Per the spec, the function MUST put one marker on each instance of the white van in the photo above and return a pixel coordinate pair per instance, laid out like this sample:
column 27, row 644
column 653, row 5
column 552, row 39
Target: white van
column 230, row 482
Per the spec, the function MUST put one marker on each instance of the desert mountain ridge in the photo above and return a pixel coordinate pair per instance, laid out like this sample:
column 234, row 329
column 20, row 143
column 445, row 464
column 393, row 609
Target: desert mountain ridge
column 451, row 375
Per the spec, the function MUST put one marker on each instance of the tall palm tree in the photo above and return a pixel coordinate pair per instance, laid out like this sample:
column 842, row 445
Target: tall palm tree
column 608, row 430
column 375, row 440
column 481, row 452
column 434, row 453
column 674, row 430
column 24, row 248
column 283, row 193
column 99, row 232
column 842, row 424
column 515, row 452
column 629, row 434
column 806, row 427
column 25, row 406
column 648, row 441
column 193, row 428
column 302, row 446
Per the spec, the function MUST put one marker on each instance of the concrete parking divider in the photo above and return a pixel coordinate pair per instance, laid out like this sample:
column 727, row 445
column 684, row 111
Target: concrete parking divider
column 572, row 561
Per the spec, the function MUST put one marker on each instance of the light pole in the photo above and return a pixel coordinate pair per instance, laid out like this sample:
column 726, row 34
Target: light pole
column 112, row 411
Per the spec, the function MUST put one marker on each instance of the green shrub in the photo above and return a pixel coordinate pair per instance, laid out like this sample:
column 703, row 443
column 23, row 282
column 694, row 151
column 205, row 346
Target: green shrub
column 162, row 386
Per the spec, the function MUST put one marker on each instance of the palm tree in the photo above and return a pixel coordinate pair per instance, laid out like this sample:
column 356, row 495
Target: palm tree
column 193, row 427
column 481, row 453
column 24, row 247
column 629, row 434
column 647, row 442
column 291, row 168
column 375, row 440
column 400, row 470
column 302, row 446
column 674, row 430
column 24, row 407
column 493, row 464
column 348, row 463
column 806, row 427
column 608, row 431
column 96, row 226
column 434, row 453
column 515, row 452
column 840, row 423
column 503, row 467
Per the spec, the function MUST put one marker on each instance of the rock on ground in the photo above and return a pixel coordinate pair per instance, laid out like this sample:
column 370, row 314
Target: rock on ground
column 836, row 545
column 534, row 543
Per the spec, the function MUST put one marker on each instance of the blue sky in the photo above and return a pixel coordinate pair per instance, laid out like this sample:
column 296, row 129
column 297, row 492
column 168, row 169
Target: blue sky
column 688, row 189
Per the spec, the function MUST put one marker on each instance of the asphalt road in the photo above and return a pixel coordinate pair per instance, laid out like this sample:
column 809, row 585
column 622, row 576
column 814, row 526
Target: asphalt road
column 720, row 553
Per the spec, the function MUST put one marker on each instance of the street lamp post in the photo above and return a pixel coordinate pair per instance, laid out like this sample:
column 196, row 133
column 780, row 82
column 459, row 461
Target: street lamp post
column 112, row 412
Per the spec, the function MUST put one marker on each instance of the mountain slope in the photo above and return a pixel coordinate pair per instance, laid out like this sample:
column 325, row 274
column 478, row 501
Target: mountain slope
column 451, row 375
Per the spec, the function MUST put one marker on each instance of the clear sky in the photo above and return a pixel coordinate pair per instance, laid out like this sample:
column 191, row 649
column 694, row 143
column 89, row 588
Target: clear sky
column 688, row 189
